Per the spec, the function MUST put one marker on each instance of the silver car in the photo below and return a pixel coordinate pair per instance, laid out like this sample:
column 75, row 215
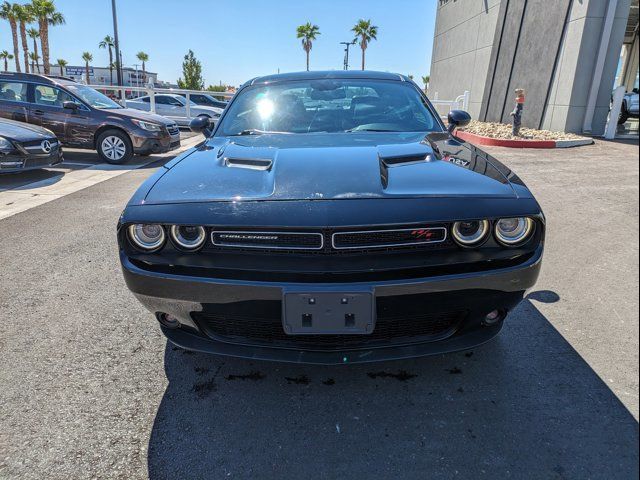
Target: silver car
column 174, row 107
column 630, row 106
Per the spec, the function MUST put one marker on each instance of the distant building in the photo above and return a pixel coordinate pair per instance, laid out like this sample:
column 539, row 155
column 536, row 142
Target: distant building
column 101, row 76
column 564, row 53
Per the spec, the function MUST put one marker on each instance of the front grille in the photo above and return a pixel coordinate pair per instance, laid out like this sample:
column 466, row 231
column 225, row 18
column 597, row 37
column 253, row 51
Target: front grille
column 35, row 146
column 330, row 241
column 267, row 240
column 173, row 129
column 388, row 238
column 259, row 323
column 38, row 143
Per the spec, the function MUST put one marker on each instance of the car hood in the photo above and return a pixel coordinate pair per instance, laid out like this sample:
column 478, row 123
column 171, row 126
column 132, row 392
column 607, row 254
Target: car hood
column 207, row 109
column 22, row 132
column 329, row 166
column 139, row 115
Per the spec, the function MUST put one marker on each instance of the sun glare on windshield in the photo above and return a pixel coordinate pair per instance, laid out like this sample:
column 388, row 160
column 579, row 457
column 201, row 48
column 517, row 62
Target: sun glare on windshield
column 329, row 106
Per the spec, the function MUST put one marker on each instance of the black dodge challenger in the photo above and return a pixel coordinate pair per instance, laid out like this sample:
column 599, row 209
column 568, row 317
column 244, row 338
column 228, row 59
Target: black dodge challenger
column 330, row 217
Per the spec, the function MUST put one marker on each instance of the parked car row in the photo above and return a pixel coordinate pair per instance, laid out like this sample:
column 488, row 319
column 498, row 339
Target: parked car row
column 174, row 107
column 75, row 115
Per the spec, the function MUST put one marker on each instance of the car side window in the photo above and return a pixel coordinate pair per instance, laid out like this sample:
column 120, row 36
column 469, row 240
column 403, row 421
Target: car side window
column 198, row 98
column 166, row 100
column 143, row 99
column 13, row 91
column 51, row 96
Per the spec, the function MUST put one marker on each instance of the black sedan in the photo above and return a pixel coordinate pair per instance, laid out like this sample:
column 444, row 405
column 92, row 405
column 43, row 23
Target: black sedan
column 330, row 217
column 27, row 147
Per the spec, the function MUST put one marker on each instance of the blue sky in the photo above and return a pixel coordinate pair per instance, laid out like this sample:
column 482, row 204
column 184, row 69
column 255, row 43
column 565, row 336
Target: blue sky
column 242, row 39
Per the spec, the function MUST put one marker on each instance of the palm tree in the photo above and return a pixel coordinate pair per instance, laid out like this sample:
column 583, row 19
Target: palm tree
column 61, row 63
column 34, row 34
column 87, row 57
column 8, row 12
column 308, row 34
column 5, row 56
column 34, row 57
column 108, row 42
column 46, row 14
column 425, row 80
column 143, row 57
column 365, row 32
column 24, row 15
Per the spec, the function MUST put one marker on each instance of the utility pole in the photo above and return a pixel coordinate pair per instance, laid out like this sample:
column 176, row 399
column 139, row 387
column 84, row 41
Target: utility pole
column 346, row 53
column 117, row 43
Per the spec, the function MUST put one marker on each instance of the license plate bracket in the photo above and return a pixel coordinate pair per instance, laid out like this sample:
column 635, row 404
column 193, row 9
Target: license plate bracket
column 328, row 312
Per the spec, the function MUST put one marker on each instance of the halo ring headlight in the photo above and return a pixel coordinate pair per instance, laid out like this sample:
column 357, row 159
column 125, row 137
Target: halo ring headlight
column 514, row 231
column 146, row 236
column 188, row 237
column 471, row 233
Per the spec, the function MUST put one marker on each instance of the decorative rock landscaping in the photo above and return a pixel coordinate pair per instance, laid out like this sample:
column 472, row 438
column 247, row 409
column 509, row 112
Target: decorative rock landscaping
column 499, row 134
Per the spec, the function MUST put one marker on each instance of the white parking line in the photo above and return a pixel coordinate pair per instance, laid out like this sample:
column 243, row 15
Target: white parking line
column 38, row 193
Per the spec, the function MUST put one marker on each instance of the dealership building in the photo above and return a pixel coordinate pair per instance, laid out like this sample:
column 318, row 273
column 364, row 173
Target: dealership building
column 568, row 55
column 102, row 76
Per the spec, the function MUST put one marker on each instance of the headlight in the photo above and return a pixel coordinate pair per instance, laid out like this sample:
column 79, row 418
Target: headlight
column 472, row 233
column 147, row 236
column 148, row 126
column 514, row 231
column 188, row 237
column 5, row 145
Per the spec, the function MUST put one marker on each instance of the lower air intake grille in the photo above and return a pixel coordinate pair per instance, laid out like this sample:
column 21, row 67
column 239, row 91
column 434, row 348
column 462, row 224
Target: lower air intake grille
column 263, row 327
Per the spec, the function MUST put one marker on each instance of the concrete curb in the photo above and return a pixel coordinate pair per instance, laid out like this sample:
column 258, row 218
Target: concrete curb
column 573, row 143
column 502, row 142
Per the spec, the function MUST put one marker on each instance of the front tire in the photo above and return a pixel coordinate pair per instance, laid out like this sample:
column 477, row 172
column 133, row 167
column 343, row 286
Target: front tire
column 624, row 116
column 114, row 146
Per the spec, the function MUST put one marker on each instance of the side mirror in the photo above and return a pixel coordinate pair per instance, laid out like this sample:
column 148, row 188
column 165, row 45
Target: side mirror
column 457, row 118
column 70, row 105
column 201, row 124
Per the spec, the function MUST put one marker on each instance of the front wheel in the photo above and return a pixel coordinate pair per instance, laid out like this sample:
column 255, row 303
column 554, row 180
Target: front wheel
column 624, row 116
column 114, row 147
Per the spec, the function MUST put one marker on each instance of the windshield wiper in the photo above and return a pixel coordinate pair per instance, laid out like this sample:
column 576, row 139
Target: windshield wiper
column 249, row 131
column 255, row 131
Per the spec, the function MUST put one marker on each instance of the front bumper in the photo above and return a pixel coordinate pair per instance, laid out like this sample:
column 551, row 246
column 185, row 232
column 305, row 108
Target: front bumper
column 187, row 298
column 147, row 143
column 23, row 163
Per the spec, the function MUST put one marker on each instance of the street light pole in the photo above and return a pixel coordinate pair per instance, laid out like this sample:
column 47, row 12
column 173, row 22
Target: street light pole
column 346, row 53
column 117, row 43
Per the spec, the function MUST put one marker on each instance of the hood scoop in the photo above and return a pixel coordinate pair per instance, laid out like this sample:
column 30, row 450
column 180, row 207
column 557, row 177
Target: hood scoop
column 404, row 159
column 390, row 156
column 249, row 163
column 251, row 158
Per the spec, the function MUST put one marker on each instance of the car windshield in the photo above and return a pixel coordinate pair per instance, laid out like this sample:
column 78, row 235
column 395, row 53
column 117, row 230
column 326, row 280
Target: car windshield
column 329, row 105
column 92, row 97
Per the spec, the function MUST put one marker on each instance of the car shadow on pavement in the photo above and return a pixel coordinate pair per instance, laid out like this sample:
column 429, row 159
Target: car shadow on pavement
column 22, row 180
column 525, row 405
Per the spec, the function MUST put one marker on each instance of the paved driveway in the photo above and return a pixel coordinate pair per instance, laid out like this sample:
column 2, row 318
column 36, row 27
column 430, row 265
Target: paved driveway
column 89, row 388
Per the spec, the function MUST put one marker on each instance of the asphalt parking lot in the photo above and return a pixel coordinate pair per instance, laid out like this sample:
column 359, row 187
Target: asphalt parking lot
column 89, row 388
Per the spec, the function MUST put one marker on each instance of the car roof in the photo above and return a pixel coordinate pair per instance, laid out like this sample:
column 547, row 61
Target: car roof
column 320, row 75
column 34, row 77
